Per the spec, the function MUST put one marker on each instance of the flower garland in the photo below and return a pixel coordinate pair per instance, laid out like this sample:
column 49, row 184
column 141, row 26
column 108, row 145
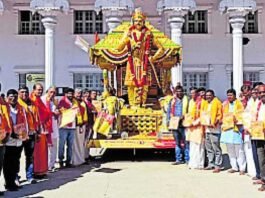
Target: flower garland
column 143, row 80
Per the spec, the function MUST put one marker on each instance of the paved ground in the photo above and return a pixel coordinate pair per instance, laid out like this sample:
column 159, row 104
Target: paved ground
column 120, row 175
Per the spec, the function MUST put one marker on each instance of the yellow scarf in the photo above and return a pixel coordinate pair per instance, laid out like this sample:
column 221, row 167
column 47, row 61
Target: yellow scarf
column 32, row 115
column 192, row 108
column 216, row 110
column 185, row 103
column 85, row 115
column 79, row 116
column 5, row 118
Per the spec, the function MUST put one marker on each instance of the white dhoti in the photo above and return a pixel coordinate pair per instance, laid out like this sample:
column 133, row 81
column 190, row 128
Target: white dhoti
column 197, row 148
column 197, row 155
column 87, row 138
column 237, row 156
column 78, row 156
column 251, row 169
column 52, row 149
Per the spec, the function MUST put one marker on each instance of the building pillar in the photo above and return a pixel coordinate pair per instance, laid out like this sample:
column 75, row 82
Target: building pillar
column 49, row 9
column 114, row 10
column 176, row 23
column 49, row 23
column 113, row 19
column 176, row 9
column 237, row 10
column 237, row 24
column 1, row 7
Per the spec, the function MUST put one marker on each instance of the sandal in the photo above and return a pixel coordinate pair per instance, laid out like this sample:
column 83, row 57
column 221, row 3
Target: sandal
column 262, row 188
column 232, row 171
column 259, row 182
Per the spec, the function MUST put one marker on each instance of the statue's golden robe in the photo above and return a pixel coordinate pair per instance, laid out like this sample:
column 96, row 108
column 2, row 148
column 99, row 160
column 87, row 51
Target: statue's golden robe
column 138, row 94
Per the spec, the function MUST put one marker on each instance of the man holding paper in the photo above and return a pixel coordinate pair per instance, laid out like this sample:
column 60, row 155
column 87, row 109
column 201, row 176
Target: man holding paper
column 33, row 126
column 78, row 156
column 249, row 144
column 213, row 132
column 177, row 108
column 5, row 131
column 231, row 133
column 70, row 118
column 196, row 130
column 14, row 145
column 259, row 135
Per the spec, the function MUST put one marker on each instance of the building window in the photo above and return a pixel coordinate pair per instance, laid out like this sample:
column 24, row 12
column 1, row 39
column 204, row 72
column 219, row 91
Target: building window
column 251, row 77
column 196, row 23
column 88, row 22
column 91, row 81
column 251, row 24
column 22, row 80
column 195, row 80
column 30, row 23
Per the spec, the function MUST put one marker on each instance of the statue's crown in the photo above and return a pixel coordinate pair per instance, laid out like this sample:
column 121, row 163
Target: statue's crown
column 138, row 14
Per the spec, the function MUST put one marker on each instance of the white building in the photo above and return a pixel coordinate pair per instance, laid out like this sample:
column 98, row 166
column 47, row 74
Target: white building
column 207, row 44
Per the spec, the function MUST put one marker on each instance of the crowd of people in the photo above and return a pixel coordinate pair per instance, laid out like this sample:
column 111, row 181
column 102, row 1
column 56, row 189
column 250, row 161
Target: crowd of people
column 32, row 122
column 205, row 122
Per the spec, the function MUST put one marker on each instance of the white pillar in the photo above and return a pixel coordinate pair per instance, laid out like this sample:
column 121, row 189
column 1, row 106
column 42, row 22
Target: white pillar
column 176, row 23
column 237, row 24
column 49, row 23
column 1, row 7
column 113, row 20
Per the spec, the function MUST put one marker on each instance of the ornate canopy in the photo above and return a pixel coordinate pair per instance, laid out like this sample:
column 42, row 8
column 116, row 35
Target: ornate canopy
column 1, row 7
column 175, row 5
column 49, row 5
column 101, row 5
column 106, row 57
column 226, row 5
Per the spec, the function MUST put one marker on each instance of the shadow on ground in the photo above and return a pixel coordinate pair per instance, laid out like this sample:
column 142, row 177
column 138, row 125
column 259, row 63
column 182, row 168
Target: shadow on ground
column 64, row 176
column 53, row 181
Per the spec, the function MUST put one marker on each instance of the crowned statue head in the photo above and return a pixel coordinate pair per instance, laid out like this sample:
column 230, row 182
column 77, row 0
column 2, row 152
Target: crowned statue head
column 138, row 19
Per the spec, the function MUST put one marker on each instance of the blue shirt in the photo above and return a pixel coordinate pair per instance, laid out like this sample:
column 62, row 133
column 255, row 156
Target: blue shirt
column 230, row 136
column 178, row 109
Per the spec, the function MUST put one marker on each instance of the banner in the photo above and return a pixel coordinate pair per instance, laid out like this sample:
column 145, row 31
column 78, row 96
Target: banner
column 32, row 79
column 68, row 116
column 21, row 131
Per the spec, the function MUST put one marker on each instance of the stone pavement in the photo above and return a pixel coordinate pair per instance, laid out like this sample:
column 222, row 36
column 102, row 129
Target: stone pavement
column 144, row 177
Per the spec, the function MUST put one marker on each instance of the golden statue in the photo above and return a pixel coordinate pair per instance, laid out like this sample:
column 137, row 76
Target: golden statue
column 139, row 41
column 143, row 51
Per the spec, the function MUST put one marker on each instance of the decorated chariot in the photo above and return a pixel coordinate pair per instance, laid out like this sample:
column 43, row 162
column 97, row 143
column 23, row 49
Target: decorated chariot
column 136, row 59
